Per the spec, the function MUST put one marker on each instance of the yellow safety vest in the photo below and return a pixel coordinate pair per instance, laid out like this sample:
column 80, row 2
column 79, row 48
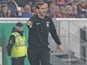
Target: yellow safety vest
column 19, row 48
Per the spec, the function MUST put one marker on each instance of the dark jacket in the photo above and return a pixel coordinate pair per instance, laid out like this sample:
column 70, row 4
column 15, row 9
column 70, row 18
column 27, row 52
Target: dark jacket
column 11, row 41
column 38, row 33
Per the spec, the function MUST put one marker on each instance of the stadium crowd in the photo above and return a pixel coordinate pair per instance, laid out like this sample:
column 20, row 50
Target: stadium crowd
column 56, row 8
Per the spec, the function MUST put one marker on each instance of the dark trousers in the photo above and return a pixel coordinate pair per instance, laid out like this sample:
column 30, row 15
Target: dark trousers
column 18, row 61
column 39, row 56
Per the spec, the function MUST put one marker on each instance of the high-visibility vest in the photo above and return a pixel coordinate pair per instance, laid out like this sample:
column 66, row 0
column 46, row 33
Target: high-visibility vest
column 19, row 48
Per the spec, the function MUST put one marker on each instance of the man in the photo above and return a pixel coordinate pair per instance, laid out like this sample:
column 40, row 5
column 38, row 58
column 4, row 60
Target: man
column 13, row 7
column 4, row 11
column 27, row 11
column 16, row 46
column 39, row 27
column 22, row 3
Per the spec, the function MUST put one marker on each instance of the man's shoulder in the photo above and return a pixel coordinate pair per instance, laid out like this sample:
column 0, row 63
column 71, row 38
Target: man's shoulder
column 48, row 18
column 34, row 17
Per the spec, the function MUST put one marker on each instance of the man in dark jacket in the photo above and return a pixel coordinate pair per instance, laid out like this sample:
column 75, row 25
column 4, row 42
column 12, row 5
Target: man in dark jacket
column 39, row 27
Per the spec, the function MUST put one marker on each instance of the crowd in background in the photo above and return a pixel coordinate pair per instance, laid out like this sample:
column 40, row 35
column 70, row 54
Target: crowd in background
column 56, row 8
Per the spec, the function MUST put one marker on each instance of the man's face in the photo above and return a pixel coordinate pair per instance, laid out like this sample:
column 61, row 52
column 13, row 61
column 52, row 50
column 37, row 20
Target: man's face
column 62, row 9
column 27, row 8
column 69, row 11
column 5, row 10
column 20, row 28
column 52, row 9
column 42, row 10
column 83, row 3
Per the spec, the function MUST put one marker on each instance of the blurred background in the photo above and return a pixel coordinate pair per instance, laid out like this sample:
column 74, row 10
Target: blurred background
column 56, row 8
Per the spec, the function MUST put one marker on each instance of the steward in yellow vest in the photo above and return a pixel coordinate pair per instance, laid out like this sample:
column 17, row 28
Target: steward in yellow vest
column 16, row 47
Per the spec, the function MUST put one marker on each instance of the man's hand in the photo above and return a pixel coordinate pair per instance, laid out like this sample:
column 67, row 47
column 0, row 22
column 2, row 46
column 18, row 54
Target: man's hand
column 29, row 23
column 60, row 48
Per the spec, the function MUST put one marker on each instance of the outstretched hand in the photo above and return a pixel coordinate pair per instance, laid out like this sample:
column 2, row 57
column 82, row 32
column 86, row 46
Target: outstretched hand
column 60, row 48
column 29, row 23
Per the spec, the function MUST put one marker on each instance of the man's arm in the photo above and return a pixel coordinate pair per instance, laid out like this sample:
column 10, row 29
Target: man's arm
column 55, row 36
column 11, row 42
column 30, row 22
column 54, row 33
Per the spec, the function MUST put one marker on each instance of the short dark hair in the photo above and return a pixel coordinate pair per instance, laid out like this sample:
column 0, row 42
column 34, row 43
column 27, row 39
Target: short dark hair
column 39, row 4
column 19, row 24
column 4, row 5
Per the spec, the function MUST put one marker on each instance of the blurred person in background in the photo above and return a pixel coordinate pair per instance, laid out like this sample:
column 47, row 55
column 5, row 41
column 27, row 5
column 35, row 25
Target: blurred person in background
column 22, row 3
column 27, row 11
column 76, row 2
column 4, row 11
column 0, row 6
column 12, row 6
column 62, row 10
column 68, row 12
column 61, row 2
column 33, row 10
column 81, row 7
column 69, row 2
column 33, row 2
column 85, row 2
column 2, row 2
column 58, row 14
column 86, row 7
column 49, row 2
column 52, row 10
column 82, row 15
column 74, row 8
